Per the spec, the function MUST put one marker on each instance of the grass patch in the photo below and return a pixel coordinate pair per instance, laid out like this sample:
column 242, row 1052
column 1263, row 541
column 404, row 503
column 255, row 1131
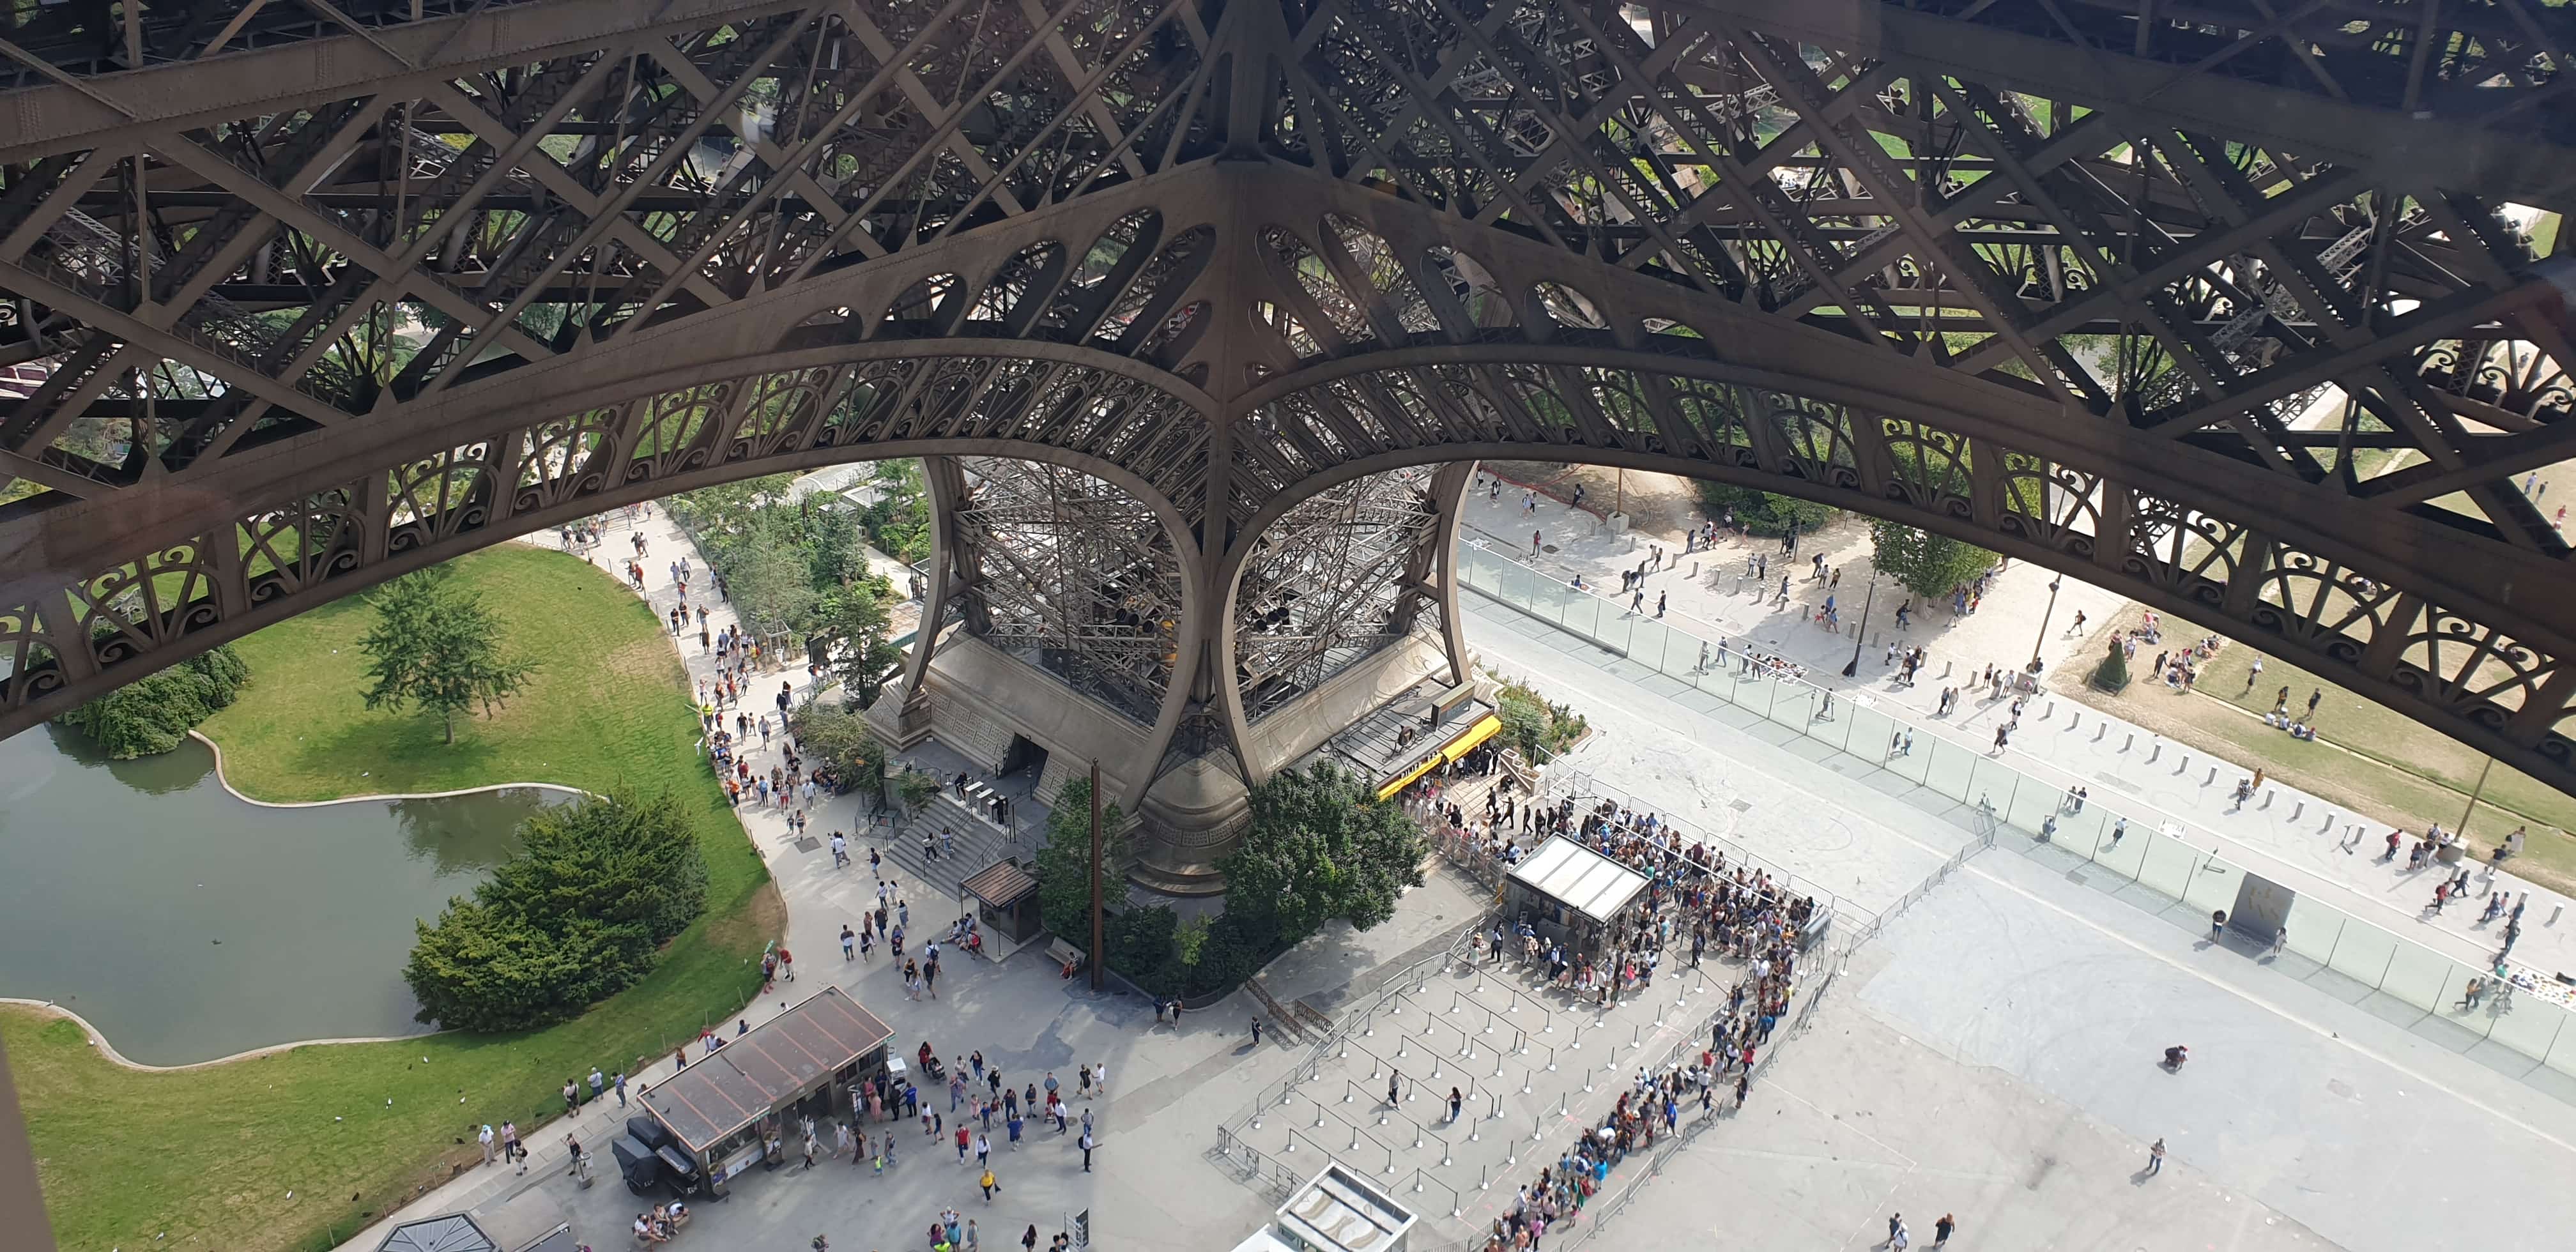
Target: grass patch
column 2371, row 758
column 207, row 1155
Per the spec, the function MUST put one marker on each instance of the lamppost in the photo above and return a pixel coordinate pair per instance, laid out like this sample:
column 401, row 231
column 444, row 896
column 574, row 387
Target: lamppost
column 2042, row 641
column 1861, row 635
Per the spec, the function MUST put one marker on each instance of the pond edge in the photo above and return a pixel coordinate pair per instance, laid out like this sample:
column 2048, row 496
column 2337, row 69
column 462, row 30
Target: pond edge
column 218, row 750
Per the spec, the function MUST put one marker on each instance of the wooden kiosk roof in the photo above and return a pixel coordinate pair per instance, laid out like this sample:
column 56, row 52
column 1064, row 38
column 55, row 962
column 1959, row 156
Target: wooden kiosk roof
column 753, row 1074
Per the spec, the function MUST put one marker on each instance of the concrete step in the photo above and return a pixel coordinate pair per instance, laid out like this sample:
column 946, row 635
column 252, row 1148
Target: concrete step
column 977, row 844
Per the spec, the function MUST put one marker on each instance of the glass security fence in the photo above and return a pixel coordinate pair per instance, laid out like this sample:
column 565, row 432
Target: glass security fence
column 2151, row 850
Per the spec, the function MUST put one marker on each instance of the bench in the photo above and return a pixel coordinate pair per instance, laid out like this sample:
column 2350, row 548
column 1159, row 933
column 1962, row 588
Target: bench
column 1065, row 955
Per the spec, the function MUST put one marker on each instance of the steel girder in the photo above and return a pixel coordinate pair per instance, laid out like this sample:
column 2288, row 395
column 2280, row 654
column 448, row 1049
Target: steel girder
column 427, row 287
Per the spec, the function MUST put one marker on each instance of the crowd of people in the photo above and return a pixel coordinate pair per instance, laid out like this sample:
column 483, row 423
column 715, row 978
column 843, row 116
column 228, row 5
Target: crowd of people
column 1693, row 896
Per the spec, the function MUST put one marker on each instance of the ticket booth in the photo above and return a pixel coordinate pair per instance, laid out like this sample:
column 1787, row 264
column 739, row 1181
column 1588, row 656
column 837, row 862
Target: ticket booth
column 1006, row 900
column 731, row 1110
column 1572, row 895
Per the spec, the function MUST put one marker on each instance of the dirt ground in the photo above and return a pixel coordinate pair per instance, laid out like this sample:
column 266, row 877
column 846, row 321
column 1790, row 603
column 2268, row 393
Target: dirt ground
column 1657, row 504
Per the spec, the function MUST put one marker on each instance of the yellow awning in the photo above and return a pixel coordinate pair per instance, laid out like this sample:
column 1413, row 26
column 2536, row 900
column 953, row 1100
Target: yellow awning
column 1484, row 728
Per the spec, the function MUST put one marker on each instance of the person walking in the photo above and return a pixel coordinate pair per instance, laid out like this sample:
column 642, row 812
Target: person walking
column 1455, row 1102
column 1943, row 1229
column 617, row 1082
column 1256, row 1032
column 2155, row 1158
column 987, row 1183
column 1394, row 1083
column 1086, row 1142
column 489, row 1154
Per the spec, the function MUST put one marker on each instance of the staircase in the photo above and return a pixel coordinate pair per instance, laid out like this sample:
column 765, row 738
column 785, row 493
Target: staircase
column 979, row 843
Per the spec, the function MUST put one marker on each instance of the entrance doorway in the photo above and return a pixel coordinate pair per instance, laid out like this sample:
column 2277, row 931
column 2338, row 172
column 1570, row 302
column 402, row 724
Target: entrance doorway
column 1024, row 754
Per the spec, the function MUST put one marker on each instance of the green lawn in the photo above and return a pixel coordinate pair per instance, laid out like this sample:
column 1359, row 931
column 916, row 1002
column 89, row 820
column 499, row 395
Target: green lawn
column 2372, row 758
column 209, row 1155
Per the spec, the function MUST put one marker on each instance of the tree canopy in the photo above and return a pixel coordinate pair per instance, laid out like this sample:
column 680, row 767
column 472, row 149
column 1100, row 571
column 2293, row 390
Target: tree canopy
column 835, row 734
column 437, row 646
column 1064, row 864
column 852, row 626
column 1321, row 846
column 578, row 915
column 153, row 713
column 1924, row 563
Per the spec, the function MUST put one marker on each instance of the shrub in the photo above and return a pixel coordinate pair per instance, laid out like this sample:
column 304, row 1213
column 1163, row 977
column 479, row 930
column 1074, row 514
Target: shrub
column 577, row 916
column 1535, row 728
column 1763, row 512
column 152, row 714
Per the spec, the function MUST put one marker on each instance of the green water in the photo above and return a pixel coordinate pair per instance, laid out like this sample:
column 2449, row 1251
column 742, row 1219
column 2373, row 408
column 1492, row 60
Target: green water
column 187, row 924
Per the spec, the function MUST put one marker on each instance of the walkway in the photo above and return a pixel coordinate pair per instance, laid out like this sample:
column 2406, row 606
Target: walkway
column 1170, row 1084
column 2128, row 768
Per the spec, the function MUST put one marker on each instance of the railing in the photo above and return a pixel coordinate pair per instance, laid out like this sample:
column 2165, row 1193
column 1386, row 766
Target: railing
column 2152, row 853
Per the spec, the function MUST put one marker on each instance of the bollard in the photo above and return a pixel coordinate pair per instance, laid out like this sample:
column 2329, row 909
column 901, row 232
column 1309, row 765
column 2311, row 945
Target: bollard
column 1560, row 1103
column 2213, row 774
column 1537, row 1122
column 1319, row 1117
column 1587, row 1080
column 2267, row 802
column 2102, row 729
column 1292, row 1144
column 1551, row 1060
column 2159, row 750
column 2047, row 710
column 1347, row 1089
column 1355, row 1140
column 1484, row 1178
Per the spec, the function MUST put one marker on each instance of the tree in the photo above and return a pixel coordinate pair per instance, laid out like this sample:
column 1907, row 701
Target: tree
column 1064, row 863
column 770, row 585
column 577, row 916
column 852, row 627
column 152, row 714
column 1923, row 563
column 437, row 647
column 834, row 732
column 2112, row 675
column 612, row 859
column 1764, row 512
column 1321, row 846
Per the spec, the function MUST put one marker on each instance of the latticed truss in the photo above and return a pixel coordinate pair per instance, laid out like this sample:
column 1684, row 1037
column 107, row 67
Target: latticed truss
column 1344, row 573
column 1074, row 576
column 2251, row 312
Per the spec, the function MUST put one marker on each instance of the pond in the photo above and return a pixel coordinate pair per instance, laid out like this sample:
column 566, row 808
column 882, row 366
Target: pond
column 187, row 924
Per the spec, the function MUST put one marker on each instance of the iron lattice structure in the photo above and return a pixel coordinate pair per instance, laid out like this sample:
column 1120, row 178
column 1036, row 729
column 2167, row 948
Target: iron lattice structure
column 2234, row 309
column 1072, row 575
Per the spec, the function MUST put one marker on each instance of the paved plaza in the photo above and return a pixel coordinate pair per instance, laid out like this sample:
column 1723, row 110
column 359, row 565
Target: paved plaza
column 2326, row 851
column 1990, row 1054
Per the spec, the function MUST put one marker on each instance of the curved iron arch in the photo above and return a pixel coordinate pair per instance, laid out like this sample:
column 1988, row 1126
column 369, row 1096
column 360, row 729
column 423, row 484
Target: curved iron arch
column 2321, row 599
column 182, row 593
